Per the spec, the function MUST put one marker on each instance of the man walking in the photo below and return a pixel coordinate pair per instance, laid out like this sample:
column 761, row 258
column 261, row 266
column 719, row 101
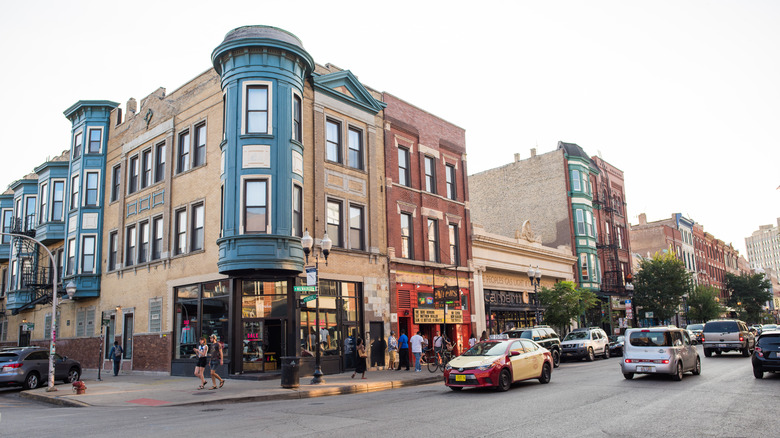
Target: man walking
column 116, row 355
column 403, row 350
column 417, row 343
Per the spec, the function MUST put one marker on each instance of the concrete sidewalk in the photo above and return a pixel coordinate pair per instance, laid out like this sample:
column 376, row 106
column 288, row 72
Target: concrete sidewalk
column 149, row 390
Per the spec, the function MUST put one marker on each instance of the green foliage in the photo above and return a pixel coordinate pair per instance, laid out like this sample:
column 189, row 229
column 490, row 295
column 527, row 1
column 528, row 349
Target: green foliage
column 565, row 302
column 660, row 285
column 702, row 305
column 748, row 294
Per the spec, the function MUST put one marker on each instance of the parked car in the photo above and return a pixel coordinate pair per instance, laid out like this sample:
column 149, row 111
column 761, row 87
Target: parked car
column 697, row 330
column 758, row 327
column 29, row 367
column 585, row 342
column 498, row 363
column 727, row 335
column 616, row 345
column 768, row 327
column 659, row 350
column 542, row 335
column 766, row 356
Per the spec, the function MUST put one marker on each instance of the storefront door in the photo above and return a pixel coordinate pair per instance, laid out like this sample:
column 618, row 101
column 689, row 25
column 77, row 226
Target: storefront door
column 253, row 345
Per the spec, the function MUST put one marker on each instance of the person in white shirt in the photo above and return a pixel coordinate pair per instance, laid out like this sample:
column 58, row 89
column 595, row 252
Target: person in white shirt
column 417, row 342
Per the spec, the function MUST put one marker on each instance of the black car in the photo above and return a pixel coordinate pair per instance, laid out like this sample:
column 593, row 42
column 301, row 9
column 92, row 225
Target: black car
column 542, row 335
column 616, row 345
column 766, row 356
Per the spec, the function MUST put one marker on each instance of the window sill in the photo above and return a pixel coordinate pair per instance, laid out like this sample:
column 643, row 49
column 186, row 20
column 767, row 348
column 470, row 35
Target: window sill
column 257, row 135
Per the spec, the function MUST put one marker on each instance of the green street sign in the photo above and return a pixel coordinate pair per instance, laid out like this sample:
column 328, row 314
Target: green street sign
column 309, row 298
column 28, row 326
column 305, row 288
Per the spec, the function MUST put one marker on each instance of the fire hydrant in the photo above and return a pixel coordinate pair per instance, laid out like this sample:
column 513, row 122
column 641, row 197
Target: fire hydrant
column 79, row 387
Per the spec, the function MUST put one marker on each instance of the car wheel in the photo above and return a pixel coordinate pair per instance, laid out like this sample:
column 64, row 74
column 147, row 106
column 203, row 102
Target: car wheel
column 556, row 357
column 628, row 376
column 504, row 381
column 707, row 352
column 679, row 374
column 590, row 356
column 32, row 381
column 606, row 352
column 456, row 388
column 758, row 373
column 746, row 351
column 697, row 369
column 73, row 375
column 546, row 374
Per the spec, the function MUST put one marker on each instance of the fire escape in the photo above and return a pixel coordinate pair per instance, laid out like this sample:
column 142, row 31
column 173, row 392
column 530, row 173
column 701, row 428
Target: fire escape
column 34, row 284
column 612, row 277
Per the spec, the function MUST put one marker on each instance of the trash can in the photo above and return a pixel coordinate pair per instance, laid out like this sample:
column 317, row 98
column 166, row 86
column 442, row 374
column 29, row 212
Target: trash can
column 290, row 371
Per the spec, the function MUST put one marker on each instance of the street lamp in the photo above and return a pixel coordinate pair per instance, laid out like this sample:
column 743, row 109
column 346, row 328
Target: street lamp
column 325, row 244
column 630, row 292
column 535, row 275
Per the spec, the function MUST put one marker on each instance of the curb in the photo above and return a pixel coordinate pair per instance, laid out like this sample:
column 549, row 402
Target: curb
column 54, row 400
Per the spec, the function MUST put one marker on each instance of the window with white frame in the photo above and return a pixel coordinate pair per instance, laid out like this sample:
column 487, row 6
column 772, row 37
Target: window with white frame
column 430, row 175
column 355, row 148
column 132, row 175
column 159, row 162
column 130, row 245
column 297, row 213
column 180, row 243
column 297, row 113
column 407, row 238
column 334, row 222
column 256, row 117
column 333, row 141
column 197, row 234
column 58, row 200
column 77, row 142
column 580, row 222
column 146, row 168
column 44, row 207
column 8, row 218
column 29, row 211
column 115, row 182
column 454, row 245
column 88, row 254
column 356, row 225
column 404, row 176
column 433, row 240
column 113, row 247
column 584, row 266
column 255, row 206
column 71, row 256
column 452, row 192
column 143, row 241
column 589, row 223
column 157, row 237
column 183, row 154
column 91, row 199
column 199, row 153
column 576, row 183
column 94, row 141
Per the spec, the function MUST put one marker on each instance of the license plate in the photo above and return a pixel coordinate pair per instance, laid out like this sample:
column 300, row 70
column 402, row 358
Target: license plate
column 644, row 369
column 777, row 355
column 460, row 378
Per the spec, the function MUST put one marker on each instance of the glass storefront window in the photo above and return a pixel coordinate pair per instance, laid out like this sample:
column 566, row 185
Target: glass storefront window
column 338, row 319
column 215, row 311
column 263, row 307
column 187, row 330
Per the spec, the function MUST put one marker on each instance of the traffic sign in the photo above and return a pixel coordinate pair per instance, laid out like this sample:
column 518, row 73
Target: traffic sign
column 305, row 288
column 309, row 298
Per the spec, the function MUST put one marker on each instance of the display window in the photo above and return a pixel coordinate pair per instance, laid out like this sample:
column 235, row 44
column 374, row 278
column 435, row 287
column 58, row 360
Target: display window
column 201, row 310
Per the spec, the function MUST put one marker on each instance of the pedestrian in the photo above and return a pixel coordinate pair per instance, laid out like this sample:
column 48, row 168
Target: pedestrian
column 417, row 343
column 484, row 336
column 472, row 340
column 215, row 361
column 360, row 367
column 201, row 353
column 438, row 343
column 392, row 350
column 403, row 350
column 116, row 355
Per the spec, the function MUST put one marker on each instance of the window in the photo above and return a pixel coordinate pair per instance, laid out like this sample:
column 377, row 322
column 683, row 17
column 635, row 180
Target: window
column 297, row 133
column 146, row 163
column 333, row 141
column 183, row 160
column 159, row 163
column 29, row 211
column 197, row 228
column 255, row 206
column 74, row 192
column 44, row 210
column 112, row 250
column 115, row 182
column 454, row 247
column 181, row 232
column 200, row 146
column 132, row 176
column 157, row 238
column 619, row 237
column 594, row 268
column 575, row 181
column 334, row 223
column 143, row 242
column 8, row 217
column 580, row 220
column 257, row 109
column 433, row 240
column 88, row 254
column 155, row 314
column 77, row 141
column 297, row 216
column 130, row 243
column 589, row 222
column 356, row 227
column 92, row 189
column 94, row 141
column 71, row 257
column 403, row 167
column 407, row 239
column 584, row 266
column 355, row 145
column 430, row 175
column 452, row 193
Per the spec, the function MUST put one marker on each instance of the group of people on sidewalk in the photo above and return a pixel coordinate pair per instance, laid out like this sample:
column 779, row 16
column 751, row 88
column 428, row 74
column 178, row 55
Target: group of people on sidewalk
column 399, row 348
column 214, row 359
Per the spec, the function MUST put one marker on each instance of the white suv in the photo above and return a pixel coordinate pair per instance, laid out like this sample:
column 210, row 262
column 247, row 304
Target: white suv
column 659, row 350
column 585, row 342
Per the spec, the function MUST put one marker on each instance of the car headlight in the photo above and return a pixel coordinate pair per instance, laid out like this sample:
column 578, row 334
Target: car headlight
column 487, row 367
column 448, row 367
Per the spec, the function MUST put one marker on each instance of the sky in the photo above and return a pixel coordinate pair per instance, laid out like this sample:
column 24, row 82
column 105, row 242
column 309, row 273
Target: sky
column 683, row 97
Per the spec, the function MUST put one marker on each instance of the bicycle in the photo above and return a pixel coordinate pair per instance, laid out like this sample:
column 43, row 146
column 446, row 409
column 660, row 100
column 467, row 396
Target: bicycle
column 439, row 360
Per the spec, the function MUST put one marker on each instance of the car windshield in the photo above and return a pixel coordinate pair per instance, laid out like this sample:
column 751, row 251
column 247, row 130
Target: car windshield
column 695, row 326
column 769, row 341
column 8, row 357
column 721, row 327
column 651, row 339
column 487, row 349
column 576, row 335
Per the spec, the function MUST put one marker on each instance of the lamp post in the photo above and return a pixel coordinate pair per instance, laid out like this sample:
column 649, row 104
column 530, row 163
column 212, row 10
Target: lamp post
column 630, row 292
column 535, row 275
column 325, row 244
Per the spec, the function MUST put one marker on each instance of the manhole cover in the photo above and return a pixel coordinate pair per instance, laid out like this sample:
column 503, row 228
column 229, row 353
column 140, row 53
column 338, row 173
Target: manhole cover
column 212, row 410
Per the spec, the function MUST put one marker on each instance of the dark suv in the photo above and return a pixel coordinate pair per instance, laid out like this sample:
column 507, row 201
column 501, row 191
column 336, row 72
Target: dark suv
column 727, row 335
column 766, row 357
column 543, row 335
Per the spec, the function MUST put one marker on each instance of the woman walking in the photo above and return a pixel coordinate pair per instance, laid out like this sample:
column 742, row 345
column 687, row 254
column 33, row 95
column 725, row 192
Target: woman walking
column 201, row 352
column 215, row 361
column 361, row 359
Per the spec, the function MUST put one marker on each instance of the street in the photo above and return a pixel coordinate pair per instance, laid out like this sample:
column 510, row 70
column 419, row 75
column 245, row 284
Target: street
column 583, row 399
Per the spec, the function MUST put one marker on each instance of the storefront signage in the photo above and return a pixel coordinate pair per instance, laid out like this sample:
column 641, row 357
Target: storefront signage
column 436, row 316
column 504, row 298
column 446, row 295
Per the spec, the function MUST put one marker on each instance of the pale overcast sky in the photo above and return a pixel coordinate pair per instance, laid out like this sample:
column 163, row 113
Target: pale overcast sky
column 680, row 95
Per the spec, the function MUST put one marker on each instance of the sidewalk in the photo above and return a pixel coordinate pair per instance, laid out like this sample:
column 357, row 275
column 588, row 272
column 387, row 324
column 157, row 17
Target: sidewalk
column 145, row 390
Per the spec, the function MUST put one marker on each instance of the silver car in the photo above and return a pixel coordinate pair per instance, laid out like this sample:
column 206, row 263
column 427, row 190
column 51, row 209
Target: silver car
column 29, row 367
column 659, row 350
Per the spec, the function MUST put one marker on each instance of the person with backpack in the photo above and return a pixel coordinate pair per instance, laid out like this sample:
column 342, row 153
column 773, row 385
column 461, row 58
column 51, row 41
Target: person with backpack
column 116, row 355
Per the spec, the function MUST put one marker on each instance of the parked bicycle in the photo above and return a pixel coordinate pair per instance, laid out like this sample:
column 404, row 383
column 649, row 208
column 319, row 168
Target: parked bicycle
column 439, row 360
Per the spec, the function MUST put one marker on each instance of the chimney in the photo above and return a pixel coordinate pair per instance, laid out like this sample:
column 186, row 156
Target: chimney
column 517, row 158
column 642, row 219
column 132, row 107
column 533, row 152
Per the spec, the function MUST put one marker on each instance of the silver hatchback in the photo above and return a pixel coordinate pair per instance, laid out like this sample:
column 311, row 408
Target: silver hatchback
column 659, row 350
column 29, row 367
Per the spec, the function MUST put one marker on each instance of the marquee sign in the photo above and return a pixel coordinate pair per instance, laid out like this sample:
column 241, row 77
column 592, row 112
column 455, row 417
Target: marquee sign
column 436, row 316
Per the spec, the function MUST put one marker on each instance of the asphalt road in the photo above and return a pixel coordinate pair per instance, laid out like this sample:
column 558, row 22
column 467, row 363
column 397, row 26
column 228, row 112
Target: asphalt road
column 583, row 399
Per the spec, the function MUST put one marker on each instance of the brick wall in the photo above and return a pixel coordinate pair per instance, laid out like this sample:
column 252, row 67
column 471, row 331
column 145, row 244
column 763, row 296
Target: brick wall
column 152, row 352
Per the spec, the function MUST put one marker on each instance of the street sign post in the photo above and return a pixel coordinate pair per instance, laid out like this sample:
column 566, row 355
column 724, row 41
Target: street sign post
column 309, row 298
column 305, row 288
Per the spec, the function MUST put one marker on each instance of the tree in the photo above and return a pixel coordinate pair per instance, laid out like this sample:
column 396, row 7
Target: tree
column 748, row 294
column 565, row 302
column 660, row 285
column 703, row 305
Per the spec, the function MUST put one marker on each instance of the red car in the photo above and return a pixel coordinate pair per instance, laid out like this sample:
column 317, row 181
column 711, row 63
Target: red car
column 498, row 363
